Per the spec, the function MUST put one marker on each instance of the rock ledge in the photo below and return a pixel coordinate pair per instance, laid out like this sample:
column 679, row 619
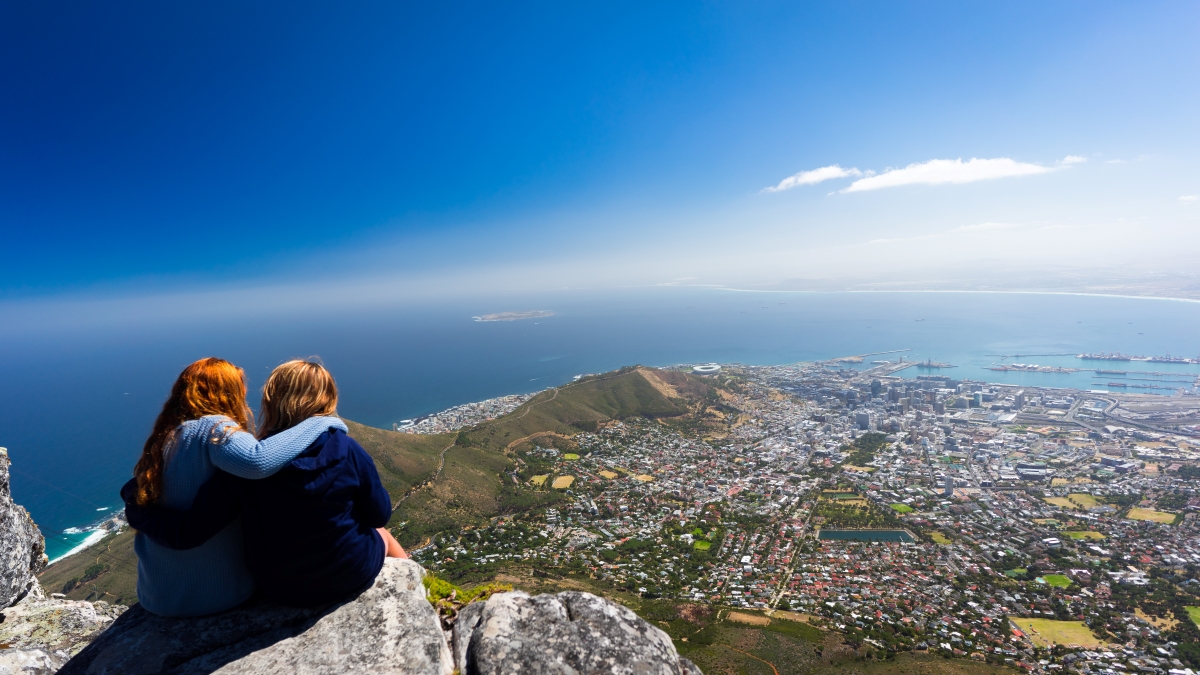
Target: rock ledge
column 390, row 628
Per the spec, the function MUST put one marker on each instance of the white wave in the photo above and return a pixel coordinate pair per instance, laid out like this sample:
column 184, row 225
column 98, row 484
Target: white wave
column 93, row 537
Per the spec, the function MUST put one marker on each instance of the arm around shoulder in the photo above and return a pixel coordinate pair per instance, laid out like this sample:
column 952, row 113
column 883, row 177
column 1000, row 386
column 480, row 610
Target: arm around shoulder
column 244, row 456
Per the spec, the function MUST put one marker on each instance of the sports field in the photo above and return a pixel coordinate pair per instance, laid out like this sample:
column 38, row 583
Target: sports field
column 538, row 480
column 1058, row 580
column 1194, row 612
column 752, row 619
column 1084, row 500
column 608, row 474
column 1083, row 535
column 1047, row 632
column 703, row 545
column 1138, row 513
column 1062, row 502
column 562, row 482
column 570, row 456
column 860, row 469
column 902, row 508
column 938, row 538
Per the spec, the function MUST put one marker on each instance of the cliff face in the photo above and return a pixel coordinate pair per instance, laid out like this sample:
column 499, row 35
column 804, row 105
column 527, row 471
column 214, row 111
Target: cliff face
column 38, row 634
column 22, row 547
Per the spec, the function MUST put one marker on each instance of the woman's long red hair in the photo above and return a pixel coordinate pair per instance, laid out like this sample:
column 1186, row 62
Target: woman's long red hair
column 209, row 386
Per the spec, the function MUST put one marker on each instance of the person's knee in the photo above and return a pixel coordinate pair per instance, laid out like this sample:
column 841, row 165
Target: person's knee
column 392, row 546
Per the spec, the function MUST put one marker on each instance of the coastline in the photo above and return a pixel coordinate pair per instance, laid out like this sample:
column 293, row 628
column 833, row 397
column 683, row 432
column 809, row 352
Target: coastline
column 93, row 534
column 93, row 538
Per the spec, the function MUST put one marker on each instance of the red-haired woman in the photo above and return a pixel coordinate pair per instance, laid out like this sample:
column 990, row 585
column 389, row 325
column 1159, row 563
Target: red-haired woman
column 206, row 426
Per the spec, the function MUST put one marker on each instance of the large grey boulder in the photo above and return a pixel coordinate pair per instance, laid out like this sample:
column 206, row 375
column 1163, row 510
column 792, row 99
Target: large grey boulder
column 41, row 635
column 390, row 628
column 22, row 547
column 569, row 633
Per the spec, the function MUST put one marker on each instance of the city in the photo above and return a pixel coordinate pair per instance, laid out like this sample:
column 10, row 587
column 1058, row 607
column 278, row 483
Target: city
column 1012, row 525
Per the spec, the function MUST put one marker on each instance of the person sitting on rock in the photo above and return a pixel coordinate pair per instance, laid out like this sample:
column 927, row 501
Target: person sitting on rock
column 204, row 431
column 313, row 531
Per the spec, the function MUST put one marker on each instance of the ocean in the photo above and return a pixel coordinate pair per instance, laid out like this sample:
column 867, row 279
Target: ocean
column 75, row 409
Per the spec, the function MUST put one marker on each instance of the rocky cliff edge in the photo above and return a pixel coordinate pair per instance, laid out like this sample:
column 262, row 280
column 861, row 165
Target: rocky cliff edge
column 22, row 547
column 390, row 629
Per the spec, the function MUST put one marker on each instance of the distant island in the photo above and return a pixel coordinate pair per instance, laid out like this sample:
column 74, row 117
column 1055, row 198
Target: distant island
column 515, row 316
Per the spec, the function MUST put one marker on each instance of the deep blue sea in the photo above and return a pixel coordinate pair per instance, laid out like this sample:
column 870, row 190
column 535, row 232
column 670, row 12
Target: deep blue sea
column 75, row 406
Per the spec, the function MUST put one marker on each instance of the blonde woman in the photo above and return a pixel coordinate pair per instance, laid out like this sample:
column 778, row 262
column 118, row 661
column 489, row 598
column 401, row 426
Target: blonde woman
column 204, row 429
column 313, row 531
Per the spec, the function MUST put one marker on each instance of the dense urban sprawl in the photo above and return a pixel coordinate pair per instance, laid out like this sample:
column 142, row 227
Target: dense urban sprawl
column 1017, row 525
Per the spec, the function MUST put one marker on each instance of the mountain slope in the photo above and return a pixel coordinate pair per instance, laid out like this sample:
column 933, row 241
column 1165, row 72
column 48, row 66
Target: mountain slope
column 475, row 484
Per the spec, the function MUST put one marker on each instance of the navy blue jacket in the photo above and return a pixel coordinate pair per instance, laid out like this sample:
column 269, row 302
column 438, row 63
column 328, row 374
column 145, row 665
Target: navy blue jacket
column 309, row 530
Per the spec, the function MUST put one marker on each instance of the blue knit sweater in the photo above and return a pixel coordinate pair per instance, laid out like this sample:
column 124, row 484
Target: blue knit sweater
column 212, row 577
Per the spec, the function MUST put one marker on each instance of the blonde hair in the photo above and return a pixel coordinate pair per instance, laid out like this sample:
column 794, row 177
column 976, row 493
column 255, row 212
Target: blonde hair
column 296, row 391
column 209, row 386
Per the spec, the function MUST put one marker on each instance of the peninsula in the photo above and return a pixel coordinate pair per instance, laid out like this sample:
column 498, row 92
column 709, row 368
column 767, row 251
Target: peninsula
column 515, row 316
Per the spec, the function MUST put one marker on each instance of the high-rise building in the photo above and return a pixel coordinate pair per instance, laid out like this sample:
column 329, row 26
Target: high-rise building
column 862, row 419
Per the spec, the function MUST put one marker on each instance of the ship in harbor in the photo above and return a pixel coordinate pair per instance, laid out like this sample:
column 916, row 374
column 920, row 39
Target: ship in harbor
column 1127, row 385
column 1031, row 368
column 1116, row 356
column 1103, row 356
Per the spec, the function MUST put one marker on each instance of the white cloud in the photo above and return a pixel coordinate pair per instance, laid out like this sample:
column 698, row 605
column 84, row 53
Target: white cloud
column 1187, row 199
column 1072, row 159
column 813, row 177
column 939, row 171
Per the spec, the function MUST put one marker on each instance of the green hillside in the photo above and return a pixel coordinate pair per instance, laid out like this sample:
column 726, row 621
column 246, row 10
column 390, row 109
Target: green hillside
column 106, row 571
column 403, row 460
column 473, row 484
column 581, row 405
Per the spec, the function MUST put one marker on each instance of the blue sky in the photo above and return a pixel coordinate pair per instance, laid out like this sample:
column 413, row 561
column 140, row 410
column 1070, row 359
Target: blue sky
column 186, row 148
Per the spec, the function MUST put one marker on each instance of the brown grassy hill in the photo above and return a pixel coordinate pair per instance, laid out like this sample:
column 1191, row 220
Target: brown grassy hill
column 403, row 460
column 475, row 485
column 628, row 392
